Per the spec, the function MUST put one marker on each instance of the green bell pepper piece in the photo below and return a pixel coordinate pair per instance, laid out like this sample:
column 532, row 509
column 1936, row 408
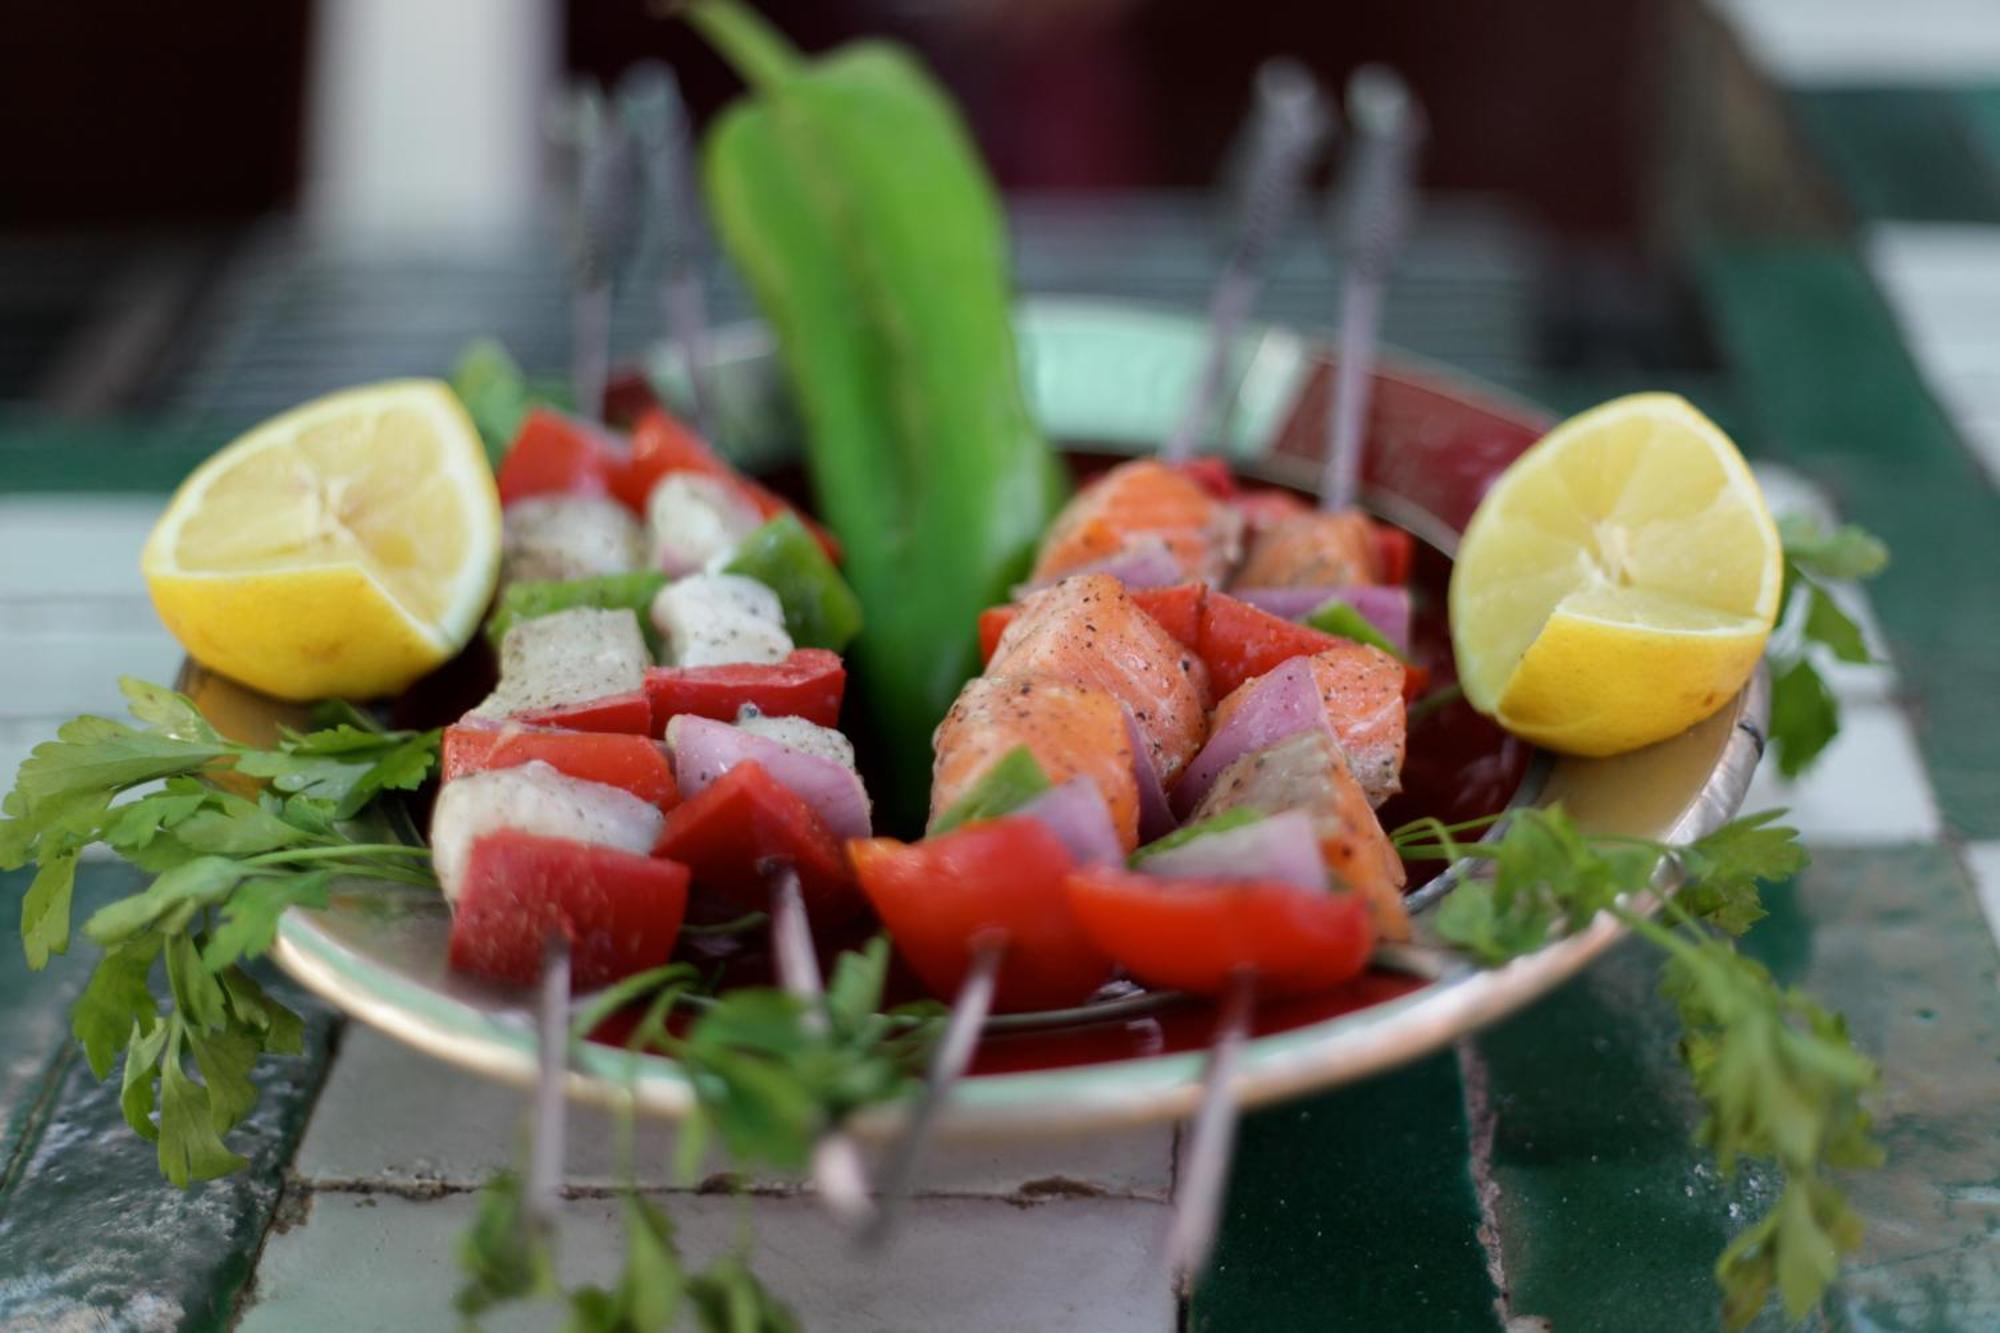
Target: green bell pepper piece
column 1338, row 616
column 821, row 611
column 1014, row 780
column 850, row 196
column 531, row 598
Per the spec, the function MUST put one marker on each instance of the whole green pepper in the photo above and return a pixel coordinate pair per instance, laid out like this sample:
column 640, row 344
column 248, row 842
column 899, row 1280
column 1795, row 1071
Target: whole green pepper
column 821, row 611
column 852, row 199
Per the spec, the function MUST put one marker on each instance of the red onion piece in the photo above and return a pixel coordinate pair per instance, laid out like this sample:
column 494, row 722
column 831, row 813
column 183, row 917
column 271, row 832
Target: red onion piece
column 1386, row 608
column 1156, row 816
column 1281, row 847
column 705, row 749
column 1283, row 702
column 1076, row 813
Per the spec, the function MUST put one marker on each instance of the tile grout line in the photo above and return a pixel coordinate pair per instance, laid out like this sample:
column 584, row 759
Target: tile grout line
column 37, row 1121
column 1481, row 1124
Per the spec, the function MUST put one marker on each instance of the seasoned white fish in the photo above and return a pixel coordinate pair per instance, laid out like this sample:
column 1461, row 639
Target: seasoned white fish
column 719, row 619
column 570, row 657
column 534, row 798
column 569, row 537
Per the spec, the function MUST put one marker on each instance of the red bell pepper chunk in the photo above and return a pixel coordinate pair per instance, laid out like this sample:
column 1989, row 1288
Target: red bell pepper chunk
column 635, row 763
column 1197, row 934
column 1395, row 552
column 728, row 833
column 619, row 912
column 1001, row 879
column 1238, row 641
column 1212, row 474
column 629, row 714
column 808, row 684
column 557, row 455
column 662, row 445
column 1177, row 609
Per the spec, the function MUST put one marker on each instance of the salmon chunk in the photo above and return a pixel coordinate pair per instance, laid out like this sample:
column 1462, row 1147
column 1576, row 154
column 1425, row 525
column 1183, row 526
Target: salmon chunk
column 1072, row 731
column 1310, row 550
column 1087, row 630
column 1141, row 504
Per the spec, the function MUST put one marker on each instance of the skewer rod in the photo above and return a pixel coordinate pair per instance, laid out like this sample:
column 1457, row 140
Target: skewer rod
column 839, row 1174
column 949, row 1061
column 1198, row 1205
column 545, row 1144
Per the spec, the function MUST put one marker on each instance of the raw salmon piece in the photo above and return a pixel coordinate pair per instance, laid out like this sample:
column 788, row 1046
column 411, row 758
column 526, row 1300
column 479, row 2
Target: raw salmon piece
column 1306, row 772
column 1072, row 730
column 1362, row 688
column 1310, row 550
column 1142, row 501
column 1177, row 608
column 1087, row 630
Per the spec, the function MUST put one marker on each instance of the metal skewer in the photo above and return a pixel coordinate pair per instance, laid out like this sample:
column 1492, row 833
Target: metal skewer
column 1212, row 1141
column 1375, row 199
column 549, row 1133
column 949, row 1062
column 1289, row 123
column 651, row 99
column 838, row 1170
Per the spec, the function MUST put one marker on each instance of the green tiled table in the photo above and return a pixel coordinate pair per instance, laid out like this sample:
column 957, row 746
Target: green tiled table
column 1538, row 1177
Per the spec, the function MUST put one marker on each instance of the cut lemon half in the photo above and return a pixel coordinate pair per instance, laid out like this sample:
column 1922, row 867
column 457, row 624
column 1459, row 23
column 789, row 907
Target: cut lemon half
column 343, row 549
column 1618, row 583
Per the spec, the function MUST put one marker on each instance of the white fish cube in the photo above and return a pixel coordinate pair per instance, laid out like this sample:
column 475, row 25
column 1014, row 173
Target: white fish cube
column 692, row 519
column 534, row 798
column 569, row 537
column 719, row 619
column 570, row 657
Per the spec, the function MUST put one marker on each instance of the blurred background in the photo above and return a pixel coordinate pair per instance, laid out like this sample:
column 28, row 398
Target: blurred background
column 214, row 211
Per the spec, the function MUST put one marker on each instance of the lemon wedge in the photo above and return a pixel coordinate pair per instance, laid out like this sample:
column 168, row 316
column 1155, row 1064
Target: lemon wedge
column 1618, row 582
column 343, row 548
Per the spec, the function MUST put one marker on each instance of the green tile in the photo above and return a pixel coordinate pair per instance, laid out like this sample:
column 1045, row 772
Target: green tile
column 40, row 453
column 1827, row 385
column 1609, row 1217
column 1353, row 1210
column 1981, row 109
column 1895, row 938
column 1902, row 154
column 90, row 1236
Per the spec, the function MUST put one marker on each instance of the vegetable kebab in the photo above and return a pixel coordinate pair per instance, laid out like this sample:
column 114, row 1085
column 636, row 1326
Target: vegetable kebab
column 593, row 790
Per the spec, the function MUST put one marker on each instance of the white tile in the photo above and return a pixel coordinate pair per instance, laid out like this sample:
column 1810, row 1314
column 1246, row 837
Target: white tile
column 1984, row 860
column 1868, row 787
column 390, row 1115
column 360, row 1263
column 63, row 675
column 62, row 545
column 1790, row 492
column 1833, row 42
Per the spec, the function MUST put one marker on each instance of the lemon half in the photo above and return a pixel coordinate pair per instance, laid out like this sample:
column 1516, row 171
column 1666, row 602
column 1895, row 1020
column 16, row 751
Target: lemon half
column 1619, row 581
column 343, row 548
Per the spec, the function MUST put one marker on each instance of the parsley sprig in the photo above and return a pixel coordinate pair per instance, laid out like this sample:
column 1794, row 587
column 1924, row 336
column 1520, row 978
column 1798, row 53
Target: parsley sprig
column 1775, row 1071
column 772, row 1074
column 234, row 834
column 1805, row 715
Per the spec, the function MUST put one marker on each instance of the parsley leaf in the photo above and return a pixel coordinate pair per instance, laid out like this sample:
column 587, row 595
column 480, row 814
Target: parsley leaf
column 1847, row 552
column 1339, row 617
column 1805, row 717
column 227, row 860
column 505, row 1254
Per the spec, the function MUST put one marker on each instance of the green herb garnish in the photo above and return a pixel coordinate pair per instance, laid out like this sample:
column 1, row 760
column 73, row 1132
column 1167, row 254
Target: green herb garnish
column 496, row 394
column 1776, row 1072
column 235, row 834
column 1805, row 715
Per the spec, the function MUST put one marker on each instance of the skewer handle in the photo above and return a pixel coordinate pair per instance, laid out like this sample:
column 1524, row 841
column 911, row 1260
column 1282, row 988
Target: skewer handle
column 1212, row 1142
column 1374, row 202
column 1289, row 123
column 949, row 1061
column 653, row 106
column 601, row 232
